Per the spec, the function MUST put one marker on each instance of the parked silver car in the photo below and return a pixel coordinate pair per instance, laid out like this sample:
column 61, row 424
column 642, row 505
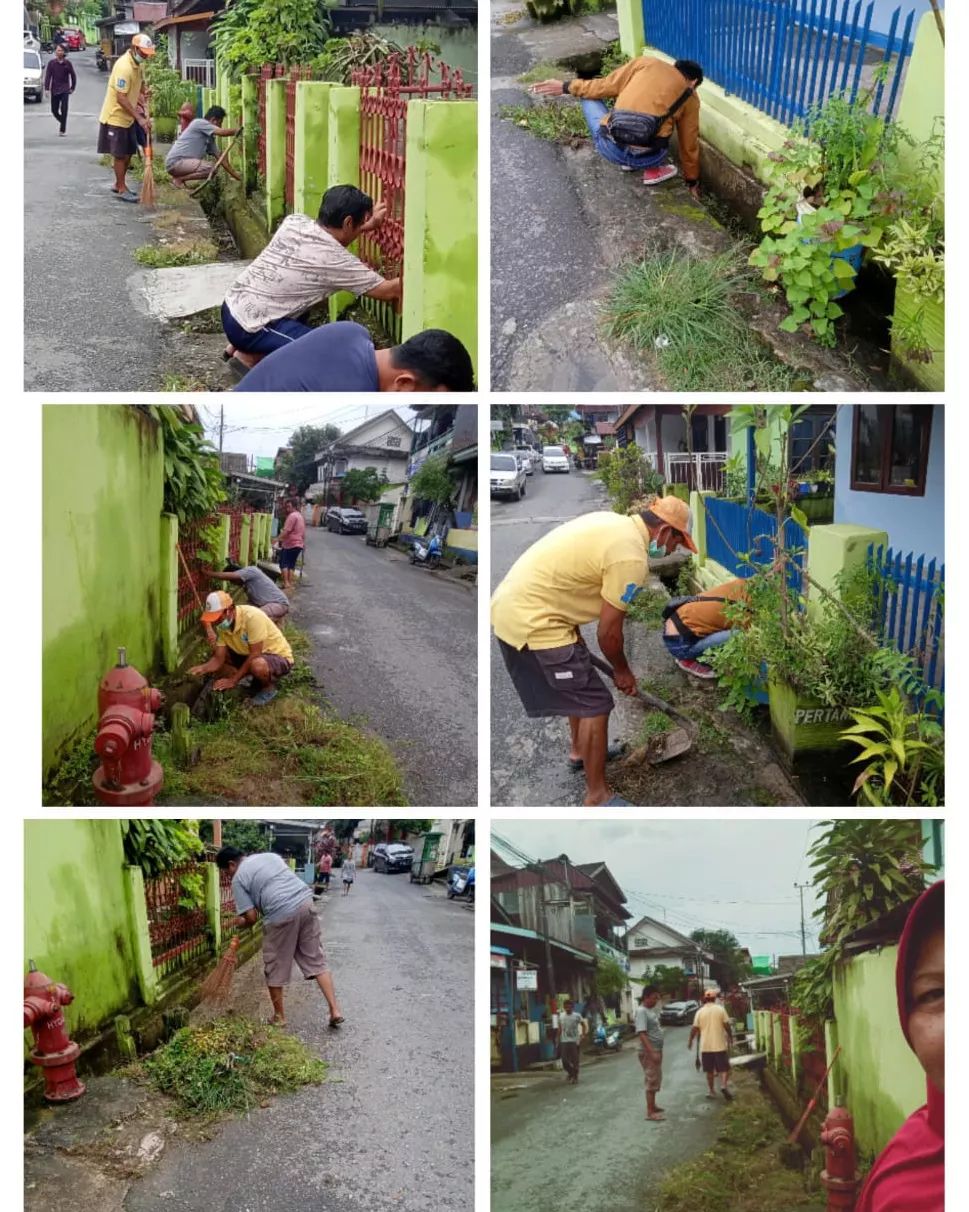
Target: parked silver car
column 33, row 76
column 527, row 456
column 507, row 475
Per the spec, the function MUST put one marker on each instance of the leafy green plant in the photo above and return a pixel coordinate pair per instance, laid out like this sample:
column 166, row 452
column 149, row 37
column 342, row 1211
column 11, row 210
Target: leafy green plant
column 249, row 33
column 613, row 58
column 157, row 845
column 611, row 978
column 165, row 256
column 647, row 607
column 550, row 120
column 194, row 484
column 363, row 485
column 432, row 481
column 904, row 751
column 169, row 92
column 340, row 57
column 628, row 475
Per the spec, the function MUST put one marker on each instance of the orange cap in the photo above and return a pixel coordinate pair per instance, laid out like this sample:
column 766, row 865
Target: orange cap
column 675, row 513
column 217, row 602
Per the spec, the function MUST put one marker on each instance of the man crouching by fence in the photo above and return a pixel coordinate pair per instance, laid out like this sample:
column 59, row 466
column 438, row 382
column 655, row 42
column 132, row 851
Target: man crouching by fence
column 263, row 885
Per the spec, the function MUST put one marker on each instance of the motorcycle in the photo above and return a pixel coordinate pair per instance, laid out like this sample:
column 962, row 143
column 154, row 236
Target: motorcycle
column 607, row 1039
column 460, row 882
column 100, row 60
column 427, row 554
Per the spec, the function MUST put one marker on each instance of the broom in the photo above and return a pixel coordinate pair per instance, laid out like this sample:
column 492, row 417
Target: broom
column 147, row 196
column 218, row 984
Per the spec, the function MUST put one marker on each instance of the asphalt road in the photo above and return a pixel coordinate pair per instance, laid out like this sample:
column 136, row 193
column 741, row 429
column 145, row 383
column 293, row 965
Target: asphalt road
column 393, row 1127
column 529, row 758
column 395, row 649
column 590, row 1146
column 81, row 332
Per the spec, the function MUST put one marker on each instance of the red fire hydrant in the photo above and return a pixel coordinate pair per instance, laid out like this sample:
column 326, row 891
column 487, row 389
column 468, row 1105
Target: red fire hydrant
column 840, row 1163
column 186, row 115
column 54, row 1050
column 128, row 775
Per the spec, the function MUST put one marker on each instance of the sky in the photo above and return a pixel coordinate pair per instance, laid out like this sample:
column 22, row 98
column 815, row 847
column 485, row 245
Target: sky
column 735, row 875
column 260, row 428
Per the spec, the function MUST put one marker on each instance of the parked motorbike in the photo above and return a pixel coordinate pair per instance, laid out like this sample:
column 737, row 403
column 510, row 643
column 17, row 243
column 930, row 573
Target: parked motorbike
column 100, row 60
column 607, row 1039
column 460, row 882
column 427, row 554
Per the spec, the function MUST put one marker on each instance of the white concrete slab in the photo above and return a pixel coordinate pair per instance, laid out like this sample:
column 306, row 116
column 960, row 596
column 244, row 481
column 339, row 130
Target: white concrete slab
column 171, row 294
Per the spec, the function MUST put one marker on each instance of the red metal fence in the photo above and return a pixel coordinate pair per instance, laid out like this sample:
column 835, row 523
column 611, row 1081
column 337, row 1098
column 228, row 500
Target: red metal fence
column 195, row 554
column 227, row 905
column 178, row 926
column 269, row 71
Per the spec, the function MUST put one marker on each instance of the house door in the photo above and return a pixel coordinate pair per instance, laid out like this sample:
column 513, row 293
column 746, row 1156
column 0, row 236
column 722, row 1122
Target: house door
column 719, row 433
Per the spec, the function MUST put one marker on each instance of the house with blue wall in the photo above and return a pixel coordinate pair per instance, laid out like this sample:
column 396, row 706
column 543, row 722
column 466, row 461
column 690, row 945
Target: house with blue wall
column 890, row 473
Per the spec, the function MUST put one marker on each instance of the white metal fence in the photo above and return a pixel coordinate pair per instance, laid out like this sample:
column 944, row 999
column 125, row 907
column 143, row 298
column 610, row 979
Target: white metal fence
column 199, row 71
column 704, row 471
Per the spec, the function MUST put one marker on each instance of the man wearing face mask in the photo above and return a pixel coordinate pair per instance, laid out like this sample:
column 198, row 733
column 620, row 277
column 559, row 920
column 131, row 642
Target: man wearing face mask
column 248, row 644
column 119, row 113
column 588, row 569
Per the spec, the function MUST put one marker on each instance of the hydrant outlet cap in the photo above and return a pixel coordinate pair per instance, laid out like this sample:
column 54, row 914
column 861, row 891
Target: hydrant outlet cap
column 122, row 658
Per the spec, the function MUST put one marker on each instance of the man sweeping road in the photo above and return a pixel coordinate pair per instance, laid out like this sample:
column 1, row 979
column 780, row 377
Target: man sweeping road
column 263, row 885
column 119, row 113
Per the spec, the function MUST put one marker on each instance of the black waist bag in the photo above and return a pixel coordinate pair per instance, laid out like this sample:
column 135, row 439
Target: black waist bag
column 630, row 128
column 671, row 611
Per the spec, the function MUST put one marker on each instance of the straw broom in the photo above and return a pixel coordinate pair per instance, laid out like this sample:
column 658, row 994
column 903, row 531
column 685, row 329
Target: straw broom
column 147, row 196
column 218, row 984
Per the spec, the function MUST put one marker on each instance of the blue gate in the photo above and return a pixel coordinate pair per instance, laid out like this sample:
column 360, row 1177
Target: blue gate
column 910, row 608
column 734, row 531
column 784, row 56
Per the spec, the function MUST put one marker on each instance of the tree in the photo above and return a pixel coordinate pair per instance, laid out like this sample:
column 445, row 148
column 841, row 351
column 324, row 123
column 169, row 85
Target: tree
column 667, row 979
column 247, row 836
column 366, row 485
column 559, row 413
column 727, row 952
column 298, row 464
column 249, row 33
column 431, row 481
column 611, row 977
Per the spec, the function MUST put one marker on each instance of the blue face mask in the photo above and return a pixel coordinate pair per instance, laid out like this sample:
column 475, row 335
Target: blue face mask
column 223, row 625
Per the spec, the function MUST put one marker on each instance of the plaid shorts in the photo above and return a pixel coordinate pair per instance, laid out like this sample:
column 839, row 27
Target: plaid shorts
column 653, row 1071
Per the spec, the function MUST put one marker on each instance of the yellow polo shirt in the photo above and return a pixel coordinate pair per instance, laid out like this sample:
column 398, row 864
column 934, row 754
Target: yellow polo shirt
column 562, row 580
column 712, row 1022
column 125, row 78
column 254, row 627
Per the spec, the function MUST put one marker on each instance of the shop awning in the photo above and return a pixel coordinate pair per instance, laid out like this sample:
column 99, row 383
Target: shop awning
column 521, row 932
column 501, row 951
column 188, row 19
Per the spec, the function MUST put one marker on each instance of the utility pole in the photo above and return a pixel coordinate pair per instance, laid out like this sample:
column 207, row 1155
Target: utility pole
column 549, row 970
column 800, row 888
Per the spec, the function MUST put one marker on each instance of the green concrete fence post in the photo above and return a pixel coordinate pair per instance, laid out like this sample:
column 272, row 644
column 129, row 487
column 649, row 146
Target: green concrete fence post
column 222, row 540
column 795, row 1033
column 836, row 549
column 250, row 136
column 245, row 538
column 922, row 102
column 835, row 1081
column 213, row 905
column 275, row 152
column 698, row 513
column 140, row 938
column 342, row 156
column 440, row 220
column 632, row 34
column 311, row 146
column 234, row 119
column 168, row 591
column 208, row 99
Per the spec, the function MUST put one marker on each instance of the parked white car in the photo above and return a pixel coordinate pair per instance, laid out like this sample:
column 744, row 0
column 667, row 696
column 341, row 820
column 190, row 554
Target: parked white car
column 554, row 458
column 527, row 457
column 33, row 76
column 507, row 475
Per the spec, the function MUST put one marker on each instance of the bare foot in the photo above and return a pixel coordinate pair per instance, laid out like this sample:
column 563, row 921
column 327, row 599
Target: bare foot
column 656, row 1118
column 277, row 1020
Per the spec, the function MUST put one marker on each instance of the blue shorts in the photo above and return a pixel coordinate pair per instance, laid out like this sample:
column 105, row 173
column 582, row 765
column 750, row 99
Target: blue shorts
column 264, row 340
column 289, row 556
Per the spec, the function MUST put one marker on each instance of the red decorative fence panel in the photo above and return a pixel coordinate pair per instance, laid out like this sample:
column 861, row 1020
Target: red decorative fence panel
column 295, row 75
column 813, row 1061
column 385, row 89
column 227, row 905
column 178, row 926
column 192, row 586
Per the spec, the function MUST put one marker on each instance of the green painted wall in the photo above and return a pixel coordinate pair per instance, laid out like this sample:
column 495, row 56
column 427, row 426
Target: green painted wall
column 440, row 221
column 880, row 1078
column 311, row 146
column 275, row 152
column 102, row 492
column 76, row 923
column 923, row 95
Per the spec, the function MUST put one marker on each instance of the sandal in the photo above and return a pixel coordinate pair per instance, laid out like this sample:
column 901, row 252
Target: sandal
column 613, row 752
column 338, row 1021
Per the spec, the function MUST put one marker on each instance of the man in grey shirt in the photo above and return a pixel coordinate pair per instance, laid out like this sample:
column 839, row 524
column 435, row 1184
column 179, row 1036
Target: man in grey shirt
column 263, row 884
column 650, row 1035
column 186, row 159
column 260, row 589
column 572, row 1030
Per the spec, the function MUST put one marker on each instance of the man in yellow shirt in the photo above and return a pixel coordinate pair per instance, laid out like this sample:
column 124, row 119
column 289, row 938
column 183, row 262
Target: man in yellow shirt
column 248, row 644
column 712, row 1024
column 119, row 113
column 589, row 568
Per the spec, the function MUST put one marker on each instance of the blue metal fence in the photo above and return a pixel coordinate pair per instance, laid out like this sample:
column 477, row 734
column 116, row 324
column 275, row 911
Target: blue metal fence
column 910, row 609
column 734, row 530
column 784, row 56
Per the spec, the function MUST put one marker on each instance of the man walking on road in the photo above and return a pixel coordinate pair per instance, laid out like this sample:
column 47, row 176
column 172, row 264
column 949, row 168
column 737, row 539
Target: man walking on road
column 589, row 568
column 119, row 113
column 291, row 541
column 60, row 81
column 262, row 884
column 650, row 1049
column 572, row 1031
column 712, row 1024
column 348, row 872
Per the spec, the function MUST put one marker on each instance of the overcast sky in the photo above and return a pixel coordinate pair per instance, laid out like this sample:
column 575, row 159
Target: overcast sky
column 260, row 428
column 735, row 875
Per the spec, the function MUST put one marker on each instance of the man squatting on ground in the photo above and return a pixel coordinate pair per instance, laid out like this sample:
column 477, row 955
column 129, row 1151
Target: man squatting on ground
column 650, row 1034
column 248, row 644
column 119, row 113
column 304, row 263
column 262, row 884
column 260, row 591
column 590, row 568
column 572, row 1031
column 59, row 82
column 694, row 625
column 645, row 86
column 186, row 159
column 712, row 1024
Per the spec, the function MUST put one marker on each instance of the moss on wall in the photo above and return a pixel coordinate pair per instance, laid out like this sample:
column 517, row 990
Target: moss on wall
column 879, row 1076
column 76, row 924
column 102, row 490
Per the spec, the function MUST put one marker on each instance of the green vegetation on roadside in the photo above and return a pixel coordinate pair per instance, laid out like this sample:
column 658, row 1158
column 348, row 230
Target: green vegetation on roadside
column 655, row 723
column 230, row 1064
column 178, row 252
column 545, row 69
column 550, row 120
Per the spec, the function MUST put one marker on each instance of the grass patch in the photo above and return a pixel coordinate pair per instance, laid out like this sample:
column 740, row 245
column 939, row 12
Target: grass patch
column 549, row 120
column 208, row 321
column 230, row 1064
column 545, row 69
column 655, row 723
column 647, row 608
column 69, row 784
column 178, row 252
column 742, row 1171
column 176, row 382
column 685, row 312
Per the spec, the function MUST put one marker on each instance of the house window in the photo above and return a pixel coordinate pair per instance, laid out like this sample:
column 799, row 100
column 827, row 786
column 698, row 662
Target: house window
column 392, row 441
column 890, row 448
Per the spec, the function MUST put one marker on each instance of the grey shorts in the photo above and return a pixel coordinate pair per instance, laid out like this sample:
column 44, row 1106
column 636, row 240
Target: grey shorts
column 557, row 681
column 275, row 610
column 296, row 940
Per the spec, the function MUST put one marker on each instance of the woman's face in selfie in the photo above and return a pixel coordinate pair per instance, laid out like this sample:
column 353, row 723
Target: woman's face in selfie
column 926, row 997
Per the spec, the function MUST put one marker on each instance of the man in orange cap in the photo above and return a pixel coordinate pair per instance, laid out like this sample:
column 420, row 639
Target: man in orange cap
column 588, row 569
column 248, row 644
column 119, row 113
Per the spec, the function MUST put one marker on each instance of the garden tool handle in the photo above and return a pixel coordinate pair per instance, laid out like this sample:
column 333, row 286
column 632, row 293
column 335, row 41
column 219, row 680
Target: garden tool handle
column 651, row 700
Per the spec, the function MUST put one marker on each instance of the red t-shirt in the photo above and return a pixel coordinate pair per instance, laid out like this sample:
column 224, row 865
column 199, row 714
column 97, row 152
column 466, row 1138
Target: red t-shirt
column 294, row 528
